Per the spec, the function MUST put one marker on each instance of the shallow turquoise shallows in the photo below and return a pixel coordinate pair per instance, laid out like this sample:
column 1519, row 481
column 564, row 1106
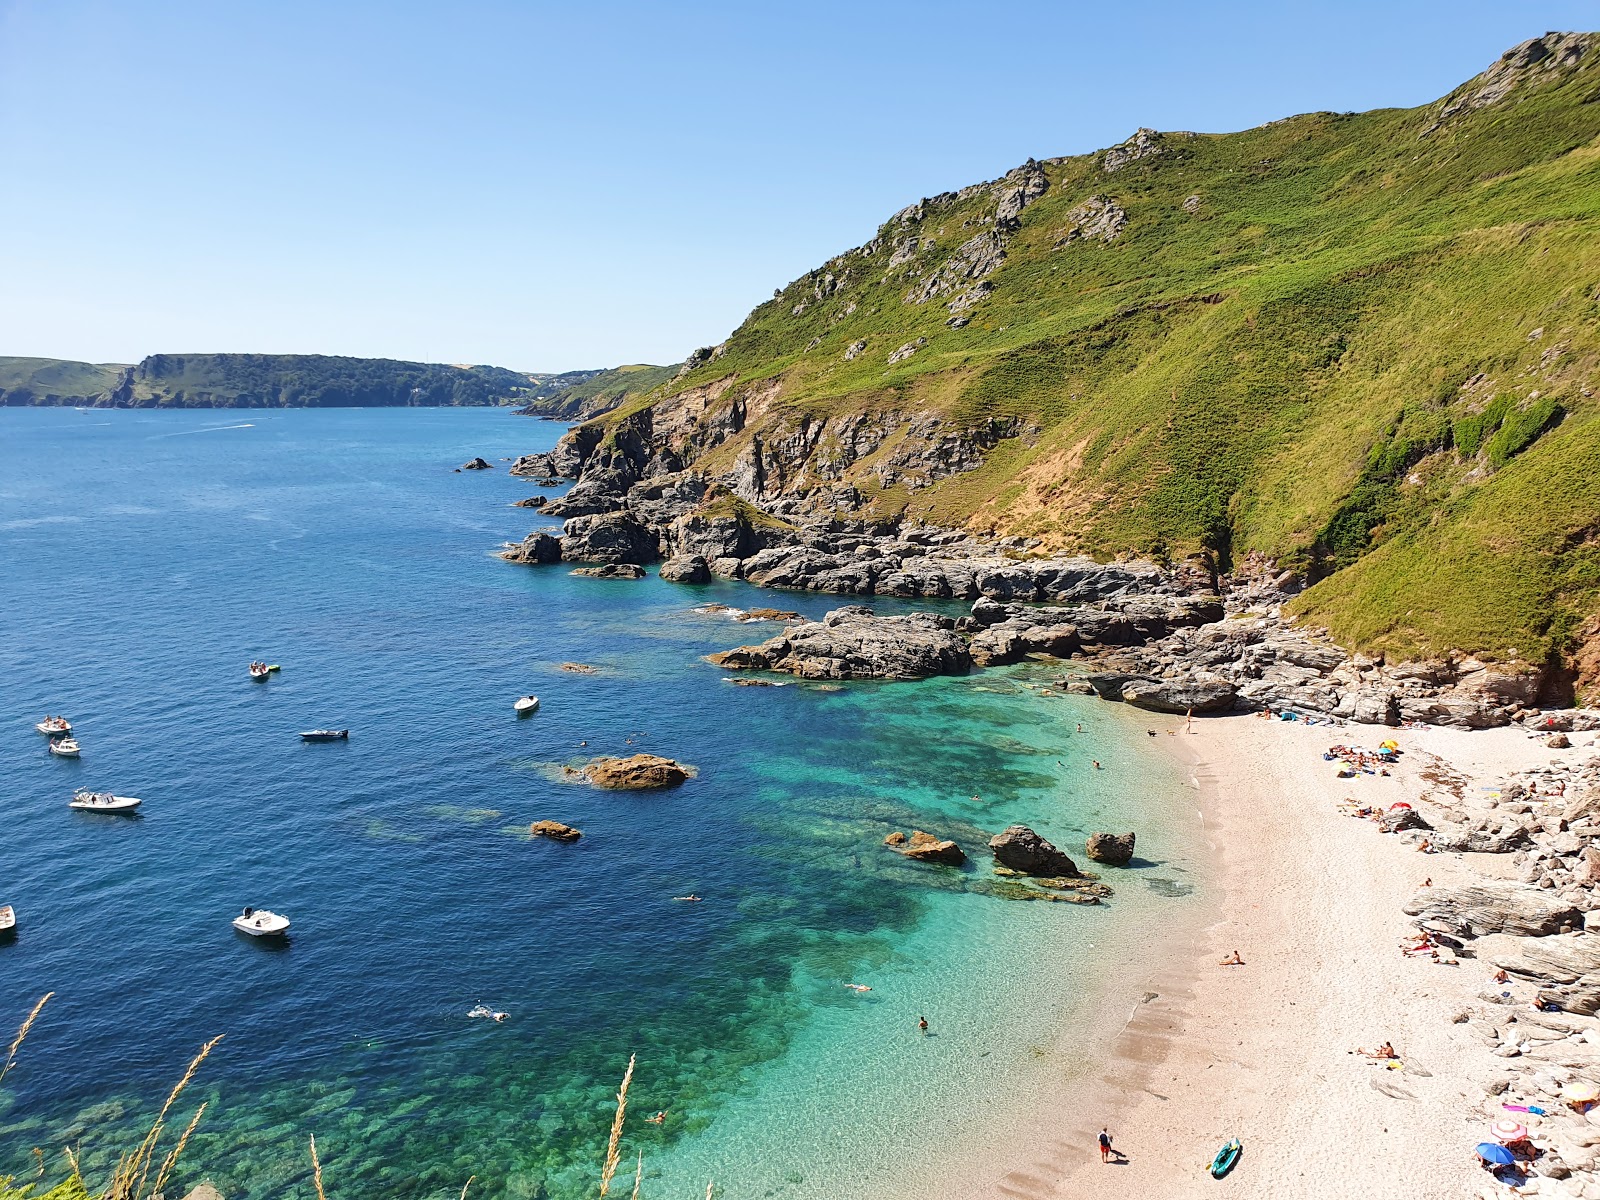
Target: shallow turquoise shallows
column 147, row 557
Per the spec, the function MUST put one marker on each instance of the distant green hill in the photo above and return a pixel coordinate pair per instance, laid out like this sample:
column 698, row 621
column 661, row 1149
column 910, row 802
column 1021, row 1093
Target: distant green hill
column 1362, row 344
column 579, row 395
column 256, row 381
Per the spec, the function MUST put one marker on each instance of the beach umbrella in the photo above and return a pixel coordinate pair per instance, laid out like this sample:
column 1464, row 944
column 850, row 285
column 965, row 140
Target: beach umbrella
column 1398, row 804
column 1507, row 1130
column 1580, row 1092
column 1491, row 1153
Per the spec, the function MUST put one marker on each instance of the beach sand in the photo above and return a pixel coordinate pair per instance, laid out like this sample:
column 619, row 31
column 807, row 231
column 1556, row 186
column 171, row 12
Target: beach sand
column 1312, row 899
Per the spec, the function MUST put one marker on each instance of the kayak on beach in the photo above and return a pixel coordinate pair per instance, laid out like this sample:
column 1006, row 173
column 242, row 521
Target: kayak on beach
column 1226, row 1158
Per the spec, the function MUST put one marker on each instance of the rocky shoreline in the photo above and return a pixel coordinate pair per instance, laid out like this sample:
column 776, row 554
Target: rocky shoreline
column 1176, row 640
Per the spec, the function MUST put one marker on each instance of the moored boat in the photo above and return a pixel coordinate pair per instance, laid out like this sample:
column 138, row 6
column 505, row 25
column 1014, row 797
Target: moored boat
column 54, row 727
column 526, row 705
column 325, row 735
column 261, row 922
column 87, row 801
column 8, row 920
column 65, row 747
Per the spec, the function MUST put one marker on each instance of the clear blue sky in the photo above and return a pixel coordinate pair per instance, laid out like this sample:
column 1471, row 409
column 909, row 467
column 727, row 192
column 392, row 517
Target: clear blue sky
column 549, row 186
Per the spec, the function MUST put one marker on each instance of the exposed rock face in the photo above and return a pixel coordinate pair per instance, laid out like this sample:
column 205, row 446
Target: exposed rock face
column 1493, row 907
column 1198, row 696
column 925, row 847
column 532, row 502
column 1021, row 849
column 1096, row 219
column 476, row 464
column 1566, row 969
column 907, row 350
column 613, row 537
column 976, row 257
column 854, row 349
column 638, row 773
column 1145, row 143
column 535, row 548
column 1550, row 54
column 688, row 568
column 536, row 466
column 1020, row 188
column 1113, row 849
column 610, row 571
column 854, row 643
column 554, row 830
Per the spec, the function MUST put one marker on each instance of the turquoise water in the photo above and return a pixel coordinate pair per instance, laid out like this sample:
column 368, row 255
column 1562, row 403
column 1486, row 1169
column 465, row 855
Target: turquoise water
column 147, row 557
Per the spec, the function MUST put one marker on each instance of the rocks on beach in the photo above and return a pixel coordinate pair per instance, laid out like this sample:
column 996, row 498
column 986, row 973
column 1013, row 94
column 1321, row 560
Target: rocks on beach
column 639, row 772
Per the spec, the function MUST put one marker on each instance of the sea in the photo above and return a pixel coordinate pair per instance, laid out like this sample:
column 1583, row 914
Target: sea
column 146, row 557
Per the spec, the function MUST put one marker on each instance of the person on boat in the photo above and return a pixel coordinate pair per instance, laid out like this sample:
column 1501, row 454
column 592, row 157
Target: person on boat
column 1233, row 960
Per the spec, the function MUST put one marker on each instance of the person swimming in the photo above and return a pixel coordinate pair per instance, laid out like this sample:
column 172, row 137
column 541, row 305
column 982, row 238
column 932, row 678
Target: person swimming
column 690, row 897
column 858, row 987
column 483, row 1010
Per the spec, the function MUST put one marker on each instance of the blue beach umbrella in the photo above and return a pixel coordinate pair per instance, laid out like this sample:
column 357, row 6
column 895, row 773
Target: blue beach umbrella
column 1491, row 1153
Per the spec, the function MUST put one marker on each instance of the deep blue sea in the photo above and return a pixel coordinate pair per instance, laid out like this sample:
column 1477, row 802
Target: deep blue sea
column 147, row 557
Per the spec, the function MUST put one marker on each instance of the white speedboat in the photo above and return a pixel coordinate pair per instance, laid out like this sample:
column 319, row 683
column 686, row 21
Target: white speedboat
column 260, row 922
column 86, row 801
column 66, row 747
column 526, row 705
column 54, row 727
column 259, row 670
column 8, row 920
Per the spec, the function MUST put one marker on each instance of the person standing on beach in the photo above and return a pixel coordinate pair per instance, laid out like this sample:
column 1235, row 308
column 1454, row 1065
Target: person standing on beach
column 1105, row 1147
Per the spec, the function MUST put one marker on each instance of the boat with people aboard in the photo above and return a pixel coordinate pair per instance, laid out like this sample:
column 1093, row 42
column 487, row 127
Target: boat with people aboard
column 64, row 747
column 86, row 801
column 325, row 735
column 525, row 705
column 259, row 670
column 261, row 922
column 54, row 726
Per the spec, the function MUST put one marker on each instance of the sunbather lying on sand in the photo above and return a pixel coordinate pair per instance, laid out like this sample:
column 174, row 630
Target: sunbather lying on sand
column 1384, row 1051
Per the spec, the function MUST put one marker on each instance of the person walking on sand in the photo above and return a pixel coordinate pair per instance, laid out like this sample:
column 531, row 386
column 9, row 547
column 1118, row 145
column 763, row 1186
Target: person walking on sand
column 1106, row 1148
column 1188, row 726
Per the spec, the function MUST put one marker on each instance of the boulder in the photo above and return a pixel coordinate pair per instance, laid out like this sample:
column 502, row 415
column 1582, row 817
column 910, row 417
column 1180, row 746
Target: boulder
column 609, row 537
column 1180, row 697
column 535, row 548
column 1113, row 849
column 1559, row 741
column 855, row 643
column 691, row 568
column 1398, row 819
column 1492, row 907
column 476, row 464
column 205, row 1190
column 536, row 466
column 925, row 847
column 610, row 571
column 554, row 830
column 532, row 502
column 1021, row 849
column 637, row 773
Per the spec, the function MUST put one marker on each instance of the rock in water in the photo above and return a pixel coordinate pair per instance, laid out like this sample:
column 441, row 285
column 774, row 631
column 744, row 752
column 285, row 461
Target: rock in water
column 610, row 571
column 535, row 548
column 925, row 847
column 1114, row 849
column 1021, row 849
column 855, row 643
column 609, row 537
column 637, row 773
column 205, row 1190
column 476, row 464
column 554, row 830
column 691, row 568
column 532, row 502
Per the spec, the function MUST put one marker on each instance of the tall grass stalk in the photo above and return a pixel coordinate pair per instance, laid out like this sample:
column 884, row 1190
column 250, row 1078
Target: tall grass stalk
column 316, row 1169
column 127, row 1182
column 176, row 1153
column 11, row 1054
column 613, row 1146
column 466, row 1185
column 638, row 1176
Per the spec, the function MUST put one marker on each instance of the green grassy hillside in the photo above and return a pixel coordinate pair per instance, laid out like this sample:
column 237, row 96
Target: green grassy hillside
column 1363, row 344
column 256, row 381
column 585, row 394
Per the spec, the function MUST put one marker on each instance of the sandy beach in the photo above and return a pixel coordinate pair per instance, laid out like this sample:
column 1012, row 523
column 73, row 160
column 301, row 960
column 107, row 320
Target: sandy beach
column 1311, row 898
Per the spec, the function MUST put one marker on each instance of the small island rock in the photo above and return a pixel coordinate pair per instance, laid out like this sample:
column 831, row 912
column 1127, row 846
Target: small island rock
column 691, row 568
column 1114, row 849
column 1021, row 849
column 535, row 548
column 476, row 464
column 925, row 847
column 610, row 571
column 554, row 830
column 639, row 772
column 532, row 502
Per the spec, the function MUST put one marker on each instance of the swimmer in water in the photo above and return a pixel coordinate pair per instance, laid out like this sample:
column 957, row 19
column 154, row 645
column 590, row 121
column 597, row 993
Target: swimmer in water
column 690, row 897
column 922, row 1024
column 1097, row 765
column 658, row 1118
column 858, row 987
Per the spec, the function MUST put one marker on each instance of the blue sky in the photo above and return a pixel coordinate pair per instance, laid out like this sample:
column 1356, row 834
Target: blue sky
column 548, row 186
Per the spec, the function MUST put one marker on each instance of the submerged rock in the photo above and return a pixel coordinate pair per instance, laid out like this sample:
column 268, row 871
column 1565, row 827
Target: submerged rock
column 637, row 773
column 554, row 830
column 1114, row 849
column 1021, row 849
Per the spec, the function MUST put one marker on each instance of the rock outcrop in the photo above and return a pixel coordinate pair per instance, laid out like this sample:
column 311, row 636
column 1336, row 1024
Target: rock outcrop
column 636, row 773
column 855, row 643
column 536, row 548
column 554, row 830
column 1493, row 907
column 609, row 537
column 686, row 568
column 1113, row 849
column 1021, row 849
column 477, row 464
column 610, row 571
column 925, row 847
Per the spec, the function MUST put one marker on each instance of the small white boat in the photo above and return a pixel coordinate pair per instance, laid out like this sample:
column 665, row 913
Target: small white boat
column 260, row 922
column 325, row 735
column 54, row 727
column 8, row 920
column 526, row 705
column 259, row 670
column 66, row 747
column 86, row 801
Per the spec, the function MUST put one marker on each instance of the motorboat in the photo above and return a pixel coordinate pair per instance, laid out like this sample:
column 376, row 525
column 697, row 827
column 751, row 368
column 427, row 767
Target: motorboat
column 325, row 735
column 54, row 727
column 87, row 801
column 261, row 922
column 8, row 920
column 259, row 670
column 66, row 747
column 526, row 705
